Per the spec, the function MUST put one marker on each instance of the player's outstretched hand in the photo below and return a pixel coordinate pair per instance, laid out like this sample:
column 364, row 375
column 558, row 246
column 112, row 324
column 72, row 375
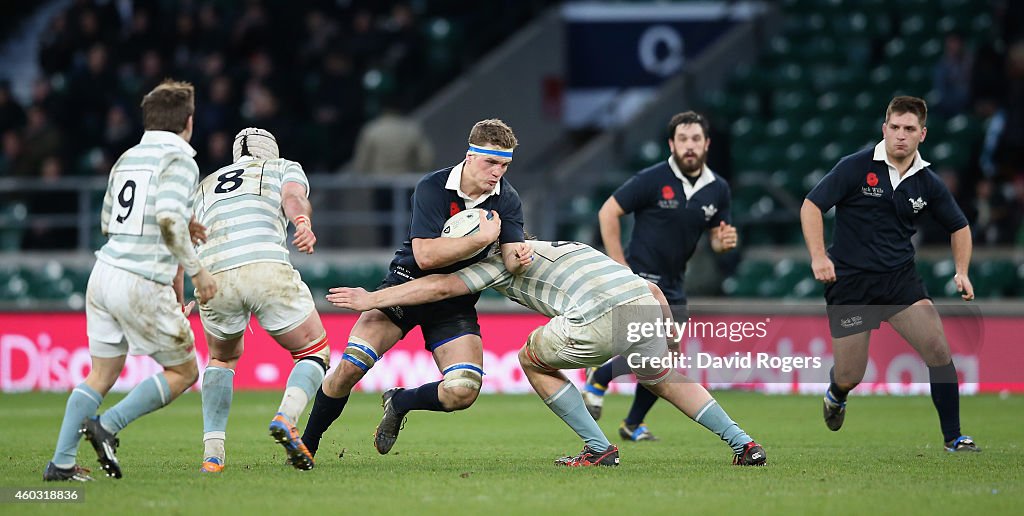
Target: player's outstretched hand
column 964, row 287
column 727, row 236
column 206, row 286
column 196, row 231
column 490, row 226
column 824, row 270
column 304, row 238
column 357, row 299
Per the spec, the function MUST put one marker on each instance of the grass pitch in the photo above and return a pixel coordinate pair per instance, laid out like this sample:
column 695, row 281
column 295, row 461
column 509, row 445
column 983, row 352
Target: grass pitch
column 496, row 458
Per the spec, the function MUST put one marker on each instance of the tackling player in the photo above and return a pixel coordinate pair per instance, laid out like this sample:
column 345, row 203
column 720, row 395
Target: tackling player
column 589, row 298
column 450, row 329
column 134, row 296
column 246, row 207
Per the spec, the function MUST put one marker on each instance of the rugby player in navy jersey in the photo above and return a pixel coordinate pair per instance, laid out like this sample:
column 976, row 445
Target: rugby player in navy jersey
column 450, row 329
column 869, row 269
column 673, row 203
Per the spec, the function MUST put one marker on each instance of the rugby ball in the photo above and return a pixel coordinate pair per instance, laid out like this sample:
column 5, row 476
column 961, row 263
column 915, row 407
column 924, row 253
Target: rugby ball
column 463, row 223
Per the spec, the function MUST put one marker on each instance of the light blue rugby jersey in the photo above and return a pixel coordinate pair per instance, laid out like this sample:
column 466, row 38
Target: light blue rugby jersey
column 240, row 205
column 156, row 176
column 566, row 278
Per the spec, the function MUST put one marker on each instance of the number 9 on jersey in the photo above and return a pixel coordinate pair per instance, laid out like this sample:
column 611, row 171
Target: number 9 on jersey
column 128, row 191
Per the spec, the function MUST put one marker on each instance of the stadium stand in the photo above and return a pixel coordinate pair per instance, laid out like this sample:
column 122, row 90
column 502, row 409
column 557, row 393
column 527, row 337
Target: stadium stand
column 814, row 94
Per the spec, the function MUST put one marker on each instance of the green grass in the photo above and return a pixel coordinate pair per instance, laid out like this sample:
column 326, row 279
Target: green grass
column 496, row 458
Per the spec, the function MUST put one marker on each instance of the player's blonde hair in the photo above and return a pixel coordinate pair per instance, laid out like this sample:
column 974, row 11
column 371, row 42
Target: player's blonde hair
column 493, row 132
column 168, row 106
column 255, row 142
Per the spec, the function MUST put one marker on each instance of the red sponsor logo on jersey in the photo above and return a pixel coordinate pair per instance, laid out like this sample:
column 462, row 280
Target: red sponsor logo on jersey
column 667, row 192
column 872, row 179
column 454, row 209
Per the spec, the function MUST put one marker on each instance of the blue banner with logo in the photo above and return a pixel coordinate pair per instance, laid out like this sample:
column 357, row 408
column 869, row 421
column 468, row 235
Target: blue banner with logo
column 618, row 54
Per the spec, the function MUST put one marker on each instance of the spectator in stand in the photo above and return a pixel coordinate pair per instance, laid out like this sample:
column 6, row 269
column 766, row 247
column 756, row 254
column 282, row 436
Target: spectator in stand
column 41, row 138
column 392, row 143
column 952, row 77
column 47, row 234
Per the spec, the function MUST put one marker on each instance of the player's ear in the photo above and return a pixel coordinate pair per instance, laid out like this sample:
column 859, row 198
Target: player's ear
column 924, row 132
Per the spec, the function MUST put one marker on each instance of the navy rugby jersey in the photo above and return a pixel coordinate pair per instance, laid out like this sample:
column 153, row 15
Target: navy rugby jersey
column 670, row 217
column 434, row 201
column 874, row 221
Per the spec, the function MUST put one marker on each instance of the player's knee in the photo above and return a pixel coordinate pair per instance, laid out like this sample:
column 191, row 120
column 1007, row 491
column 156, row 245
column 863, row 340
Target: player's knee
column 459, row 398
column 359, row 355
column 318, row 350
column 528, row 358
column 524, row 360
column 935, row 352
column 189, row 372
column 101, row 381
column 462, row 382
column 228, row 354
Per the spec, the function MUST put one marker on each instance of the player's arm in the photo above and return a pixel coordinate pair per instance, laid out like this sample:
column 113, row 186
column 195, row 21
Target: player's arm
column 172, row 216
column 416, row 292
column 298, row 210
column 948, row 214
column 813, row 226
column 179, row 291
column 841, row 180
column 179, row 285
column 961, row 243
column 611, row 229
column 723, row 236
column 517, row 256
column 434, row 253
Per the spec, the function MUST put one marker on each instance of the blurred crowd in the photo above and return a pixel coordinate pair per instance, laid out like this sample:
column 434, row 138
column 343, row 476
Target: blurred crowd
column 986, row 81
column 312, row 75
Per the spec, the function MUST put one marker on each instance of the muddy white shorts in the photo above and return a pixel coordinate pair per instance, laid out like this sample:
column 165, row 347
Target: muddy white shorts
column 272, row 291
column 128, row 314
column 560, row 344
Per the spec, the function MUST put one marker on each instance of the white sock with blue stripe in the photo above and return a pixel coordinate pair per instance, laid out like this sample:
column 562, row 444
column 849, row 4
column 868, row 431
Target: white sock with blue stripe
column 146, row 397
column 714, row 418
column 82, row 403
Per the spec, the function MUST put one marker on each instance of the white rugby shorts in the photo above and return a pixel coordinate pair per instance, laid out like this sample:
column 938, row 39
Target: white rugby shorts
column 128, row 314
column 560, row 344
column 272, row 291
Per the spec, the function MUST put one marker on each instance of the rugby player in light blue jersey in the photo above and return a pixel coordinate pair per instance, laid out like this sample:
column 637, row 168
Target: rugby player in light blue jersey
column 246, row 207
column 589, row 298
column 134, row 296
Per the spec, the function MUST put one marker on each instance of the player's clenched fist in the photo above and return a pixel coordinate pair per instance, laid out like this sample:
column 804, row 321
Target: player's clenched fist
column 824, row 270
column 304, row 237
